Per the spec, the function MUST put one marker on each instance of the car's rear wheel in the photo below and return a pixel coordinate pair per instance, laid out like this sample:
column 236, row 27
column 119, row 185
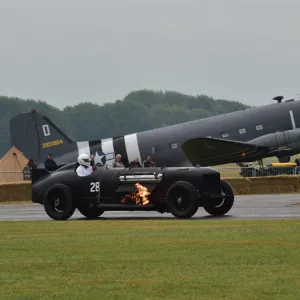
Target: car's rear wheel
column 90, row 212
column 58, row 202
column 224, row 204
column 182, row 200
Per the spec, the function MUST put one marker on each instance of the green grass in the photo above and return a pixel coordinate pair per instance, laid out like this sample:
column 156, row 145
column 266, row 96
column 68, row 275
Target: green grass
column 150, row 259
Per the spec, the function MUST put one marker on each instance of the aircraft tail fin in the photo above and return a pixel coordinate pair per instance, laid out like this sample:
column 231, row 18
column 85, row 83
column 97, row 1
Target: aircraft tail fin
column 35, row 135
column 213, row 152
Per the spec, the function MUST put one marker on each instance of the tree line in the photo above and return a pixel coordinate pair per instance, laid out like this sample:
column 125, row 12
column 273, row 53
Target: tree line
column 138, row 111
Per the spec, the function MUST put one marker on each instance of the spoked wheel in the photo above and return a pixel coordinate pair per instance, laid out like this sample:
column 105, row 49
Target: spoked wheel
column 58, row 203
column 90, row 212
column 222, row 205
column 182, row 200
column 181, row 203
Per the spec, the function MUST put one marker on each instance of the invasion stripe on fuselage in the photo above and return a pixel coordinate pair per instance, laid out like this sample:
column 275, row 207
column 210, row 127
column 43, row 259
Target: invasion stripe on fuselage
column 120, row 148
column 292, row 119
column 95, row 147
column 127, row 146
column 108, row 150
column 132, row 147
column 83, row 148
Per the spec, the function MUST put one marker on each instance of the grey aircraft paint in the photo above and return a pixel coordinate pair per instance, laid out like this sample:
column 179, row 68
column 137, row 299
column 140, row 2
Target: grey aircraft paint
column 33, row 133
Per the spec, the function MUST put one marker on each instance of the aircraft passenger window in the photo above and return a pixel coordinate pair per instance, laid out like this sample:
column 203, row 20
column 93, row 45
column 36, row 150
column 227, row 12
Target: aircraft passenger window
column 224, row 135
column 173, row 146
column 155, row 149
column 242, row 131
column 259, row 127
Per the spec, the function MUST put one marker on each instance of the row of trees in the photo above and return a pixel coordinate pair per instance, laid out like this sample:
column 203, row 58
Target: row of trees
column 138, row 111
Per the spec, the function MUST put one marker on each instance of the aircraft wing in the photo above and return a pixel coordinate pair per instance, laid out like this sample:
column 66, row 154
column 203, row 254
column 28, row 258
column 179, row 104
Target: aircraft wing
column 212, row 151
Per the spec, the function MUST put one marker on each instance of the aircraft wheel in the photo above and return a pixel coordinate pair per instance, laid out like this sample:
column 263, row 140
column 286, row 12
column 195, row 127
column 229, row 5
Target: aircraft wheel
column 90, row 212
column 58, row 202
column 224, row 204
column 182, row 200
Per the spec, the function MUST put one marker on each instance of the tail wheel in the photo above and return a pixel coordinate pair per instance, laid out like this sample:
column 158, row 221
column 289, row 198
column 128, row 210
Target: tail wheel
column 90, row 212
column 58, row 202
column 182, row 200
column 225, row 202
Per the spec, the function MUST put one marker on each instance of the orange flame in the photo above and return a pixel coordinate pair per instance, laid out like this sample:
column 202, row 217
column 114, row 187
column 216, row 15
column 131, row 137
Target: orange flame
column 140, row 196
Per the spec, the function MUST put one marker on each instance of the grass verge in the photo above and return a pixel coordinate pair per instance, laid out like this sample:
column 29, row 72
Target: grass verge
column 150, row 259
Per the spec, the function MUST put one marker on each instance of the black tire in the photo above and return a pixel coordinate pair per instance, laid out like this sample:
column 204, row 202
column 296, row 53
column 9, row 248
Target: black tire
column 90, row 212
column 225, row 204
column 64, row 208
column 188, row 204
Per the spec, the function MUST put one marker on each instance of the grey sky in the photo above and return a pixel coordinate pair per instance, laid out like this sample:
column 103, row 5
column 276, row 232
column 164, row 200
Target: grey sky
column 68, row 51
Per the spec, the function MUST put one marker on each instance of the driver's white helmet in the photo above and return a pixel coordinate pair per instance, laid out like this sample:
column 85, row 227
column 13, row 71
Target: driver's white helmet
column 84, row 160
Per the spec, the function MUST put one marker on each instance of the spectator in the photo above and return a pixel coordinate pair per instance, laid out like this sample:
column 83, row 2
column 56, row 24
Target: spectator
column 50, row 164
column 27, row 169
column 92, row 160
column 148, row 163
column 135, row 163
column 118, row 163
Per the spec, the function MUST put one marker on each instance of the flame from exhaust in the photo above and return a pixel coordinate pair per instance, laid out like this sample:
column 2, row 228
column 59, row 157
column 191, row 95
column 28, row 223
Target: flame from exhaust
column 140, row 197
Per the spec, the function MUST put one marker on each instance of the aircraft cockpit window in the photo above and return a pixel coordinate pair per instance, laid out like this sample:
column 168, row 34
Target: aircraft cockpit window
column 225, row 135
column 259, row 127
column 242, row 130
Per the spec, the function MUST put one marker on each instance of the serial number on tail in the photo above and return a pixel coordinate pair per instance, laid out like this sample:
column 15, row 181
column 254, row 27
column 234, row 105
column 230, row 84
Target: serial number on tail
column 52, row 143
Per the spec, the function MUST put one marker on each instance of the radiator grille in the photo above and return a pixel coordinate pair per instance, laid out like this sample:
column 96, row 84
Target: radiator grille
column 131, row 188
column 211, row 182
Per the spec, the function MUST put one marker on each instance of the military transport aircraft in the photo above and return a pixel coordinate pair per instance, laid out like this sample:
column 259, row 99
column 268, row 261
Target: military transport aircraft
column 237, row 137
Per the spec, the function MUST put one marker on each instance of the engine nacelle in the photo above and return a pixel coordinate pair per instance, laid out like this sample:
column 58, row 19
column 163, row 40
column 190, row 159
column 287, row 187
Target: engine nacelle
column 278, row 139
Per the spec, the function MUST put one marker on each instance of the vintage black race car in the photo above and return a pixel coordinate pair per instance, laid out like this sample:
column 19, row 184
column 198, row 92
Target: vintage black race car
column 180, row 191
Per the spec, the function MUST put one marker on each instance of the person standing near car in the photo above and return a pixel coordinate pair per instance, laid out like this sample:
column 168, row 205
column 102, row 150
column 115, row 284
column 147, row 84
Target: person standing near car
column 118, row 163
column 148, row 163
column 50, row 164
column 135, row 163
column 27, row 169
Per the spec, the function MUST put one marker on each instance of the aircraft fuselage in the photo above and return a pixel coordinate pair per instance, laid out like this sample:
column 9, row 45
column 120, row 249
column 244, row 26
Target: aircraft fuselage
column 163, row 144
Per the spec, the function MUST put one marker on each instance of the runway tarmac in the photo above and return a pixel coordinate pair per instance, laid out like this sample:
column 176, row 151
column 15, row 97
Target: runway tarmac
column 245, row 207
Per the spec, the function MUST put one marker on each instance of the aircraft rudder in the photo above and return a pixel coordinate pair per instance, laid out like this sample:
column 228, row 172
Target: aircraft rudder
column 36, row 136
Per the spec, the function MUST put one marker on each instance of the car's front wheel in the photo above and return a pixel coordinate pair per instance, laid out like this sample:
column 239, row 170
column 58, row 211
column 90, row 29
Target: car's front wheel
column 58, row 202
column 224, row 203
column 182, row 200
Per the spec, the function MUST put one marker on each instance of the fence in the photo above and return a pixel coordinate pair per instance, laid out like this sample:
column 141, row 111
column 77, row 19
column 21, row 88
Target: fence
column 257, row 171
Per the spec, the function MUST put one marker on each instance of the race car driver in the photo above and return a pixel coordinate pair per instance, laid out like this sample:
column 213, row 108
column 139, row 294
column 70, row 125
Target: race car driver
column 85, row 167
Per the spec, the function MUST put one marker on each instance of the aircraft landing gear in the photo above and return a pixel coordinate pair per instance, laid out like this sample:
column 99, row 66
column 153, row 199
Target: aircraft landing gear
column 248, row 171
column 241, row 165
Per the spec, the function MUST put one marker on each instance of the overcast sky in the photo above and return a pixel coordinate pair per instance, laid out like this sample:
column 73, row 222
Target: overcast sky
column 71, row 51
